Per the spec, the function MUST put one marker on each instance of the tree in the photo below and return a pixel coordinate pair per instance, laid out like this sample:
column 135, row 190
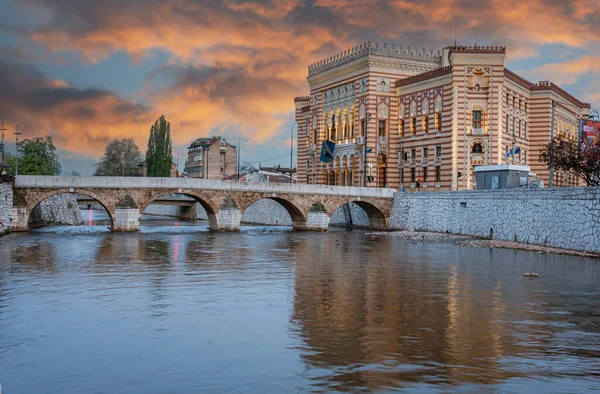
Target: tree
column 121, row 158
column 584, row 164
column 37, row 156
column 159, row 155
column 247, row 168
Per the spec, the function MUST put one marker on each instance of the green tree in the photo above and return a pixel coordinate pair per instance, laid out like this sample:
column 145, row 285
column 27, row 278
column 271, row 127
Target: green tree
column 121, row 158
column 37, row 156
column 159, row 155
column 582, row 162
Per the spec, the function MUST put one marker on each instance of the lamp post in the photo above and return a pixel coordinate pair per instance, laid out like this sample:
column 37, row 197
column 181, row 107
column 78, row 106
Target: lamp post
column 368, row 118
column 17, row 148
column 2, row 129
column 239, row 154
column 292, row 148
column 594, row 115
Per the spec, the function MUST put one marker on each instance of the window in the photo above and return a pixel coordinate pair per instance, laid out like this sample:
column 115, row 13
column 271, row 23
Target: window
column 476, row 119
column 507, row 121
column 438, row 151
column 382, row 128
column 413, row 126
column 314, row 136
column 477, row 148
column 363, row 126
column 413, row 154
column 425, row 153
column 333, row 131
column 525, row 131
column 438, row 122
column 401, row 127
column 197, row 157
column 425, row 124
column 404, row 155
column 438, row 174
column 412, row 175
column 525, row 156
column 424, row 174
column 519, row 128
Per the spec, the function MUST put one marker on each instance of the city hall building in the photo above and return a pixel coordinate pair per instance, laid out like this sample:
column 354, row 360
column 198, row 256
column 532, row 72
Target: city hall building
column 427, row 117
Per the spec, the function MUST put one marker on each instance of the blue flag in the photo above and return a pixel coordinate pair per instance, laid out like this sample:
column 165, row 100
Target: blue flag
column 327, row 151
column 517, row 150
column 369, row 150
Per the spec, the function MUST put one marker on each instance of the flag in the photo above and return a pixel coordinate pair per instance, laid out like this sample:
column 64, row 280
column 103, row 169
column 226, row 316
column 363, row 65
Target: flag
column 369, row 150
column 327, row 151
column 517, row 150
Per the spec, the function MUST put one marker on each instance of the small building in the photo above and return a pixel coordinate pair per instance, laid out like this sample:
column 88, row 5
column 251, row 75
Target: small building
column 143, row 170
column 211, row 158
column 504, row 176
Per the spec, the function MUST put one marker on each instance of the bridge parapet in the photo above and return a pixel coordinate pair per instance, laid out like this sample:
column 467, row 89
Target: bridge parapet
column 91, row 182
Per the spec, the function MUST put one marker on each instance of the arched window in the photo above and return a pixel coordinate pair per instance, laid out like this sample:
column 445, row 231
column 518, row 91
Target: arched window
column 477, row 148
column 425, row 106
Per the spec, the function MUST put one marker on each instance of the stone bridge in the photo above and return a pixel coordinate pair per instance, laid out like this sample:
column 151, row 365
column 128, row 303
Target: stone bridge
column 125, row 198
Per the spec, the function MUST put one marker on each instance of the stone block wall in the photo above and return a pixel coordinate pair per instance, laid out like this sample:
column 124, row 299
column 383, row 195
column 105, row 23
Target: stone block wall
column 563, row 217
column 59, row 209
column 6, row 202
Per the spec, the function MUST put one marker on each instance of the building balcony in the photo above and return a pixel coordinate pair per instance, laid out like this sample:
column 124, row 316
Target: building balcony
column 425, row 160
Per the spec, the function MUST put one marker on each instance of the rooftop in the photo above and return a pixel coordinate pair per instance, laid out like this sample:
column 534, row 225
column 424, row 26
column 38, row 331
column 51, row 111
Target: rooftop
column 375, row 48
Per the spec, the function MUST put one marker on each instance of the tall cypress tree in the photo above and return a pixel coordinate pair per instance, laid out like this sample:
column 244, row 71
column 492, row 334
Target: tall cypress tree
column 159, row 155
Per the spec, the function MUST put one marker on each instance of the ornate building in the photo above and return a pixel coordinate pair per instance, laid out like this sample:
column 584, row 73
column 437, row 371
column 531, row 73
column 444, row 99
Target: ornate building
column 426, row 114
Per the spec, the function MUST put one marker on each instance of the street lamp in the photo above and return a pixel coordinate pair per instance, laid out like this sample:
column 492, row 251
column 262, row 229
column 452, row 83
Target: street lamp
column 594, row 115
column 17, row 148
column 239, row 153
column 292, row 148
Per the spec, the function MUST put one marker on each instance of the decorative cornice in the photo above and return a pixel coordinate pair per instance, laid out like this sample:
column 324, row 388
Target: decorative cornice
column 374, row 48
column 424, row 76
column 550, row 86
column 301, row 98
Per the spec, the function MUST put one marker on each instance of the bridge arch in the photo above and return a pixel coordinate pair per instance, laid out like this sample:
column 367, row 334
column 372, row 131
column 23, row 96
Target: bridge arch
column 207, row 203
column 297, row 215
column 42, row 197
column 377, row 217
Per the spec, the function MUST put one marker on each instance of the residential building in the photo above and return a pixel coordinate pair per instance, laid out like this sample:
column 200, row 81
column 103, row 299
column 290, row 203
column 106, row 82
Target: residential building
column 211, row 158
column 429, row 117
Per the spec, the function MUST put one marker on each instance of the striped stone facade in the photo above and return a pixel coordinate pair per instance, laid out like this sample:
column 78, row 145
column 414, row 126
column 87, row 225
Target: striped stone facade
column 429, row 117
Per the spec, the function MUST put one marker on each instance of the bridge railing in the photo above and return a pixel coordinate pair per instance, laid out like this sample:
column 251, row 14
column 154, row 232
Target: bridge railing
column 91, row 182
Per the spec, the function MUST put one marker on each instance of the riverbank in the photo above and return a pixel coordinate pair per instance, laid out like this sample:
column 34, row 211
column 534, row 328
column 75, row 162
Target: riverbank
column 466, row 240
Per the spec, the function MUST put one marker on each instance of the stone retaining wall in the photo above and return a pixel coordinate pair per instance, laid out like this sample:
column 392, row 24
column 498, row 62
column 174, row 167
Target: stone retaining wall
column 6, row 202
column 564, row 217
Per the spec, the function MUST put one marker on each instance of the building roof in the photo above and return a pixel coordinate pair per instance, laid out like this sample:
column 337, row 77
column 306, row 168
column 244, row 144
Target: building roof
column 205, row 142
column 375, row 48
column 424, row 76
column 546, row 85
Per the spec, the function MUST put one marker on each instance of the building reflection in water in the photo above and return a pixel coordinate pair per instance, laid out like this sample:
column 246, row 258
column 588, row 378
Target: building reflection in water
column 368, row 318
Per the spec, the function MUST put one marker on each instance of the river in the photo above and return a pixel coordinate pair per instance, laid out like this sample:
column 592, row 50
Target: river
column 177, row 309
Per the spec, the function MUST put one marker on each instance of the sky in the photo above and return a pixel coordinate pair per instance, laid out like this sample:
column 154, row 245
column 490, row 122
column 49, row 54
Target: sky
column 89, row 71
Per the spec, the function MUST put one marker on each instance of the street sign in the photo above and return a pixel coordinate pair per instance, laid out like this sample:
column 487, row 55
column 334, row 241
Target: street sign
column 370, row 165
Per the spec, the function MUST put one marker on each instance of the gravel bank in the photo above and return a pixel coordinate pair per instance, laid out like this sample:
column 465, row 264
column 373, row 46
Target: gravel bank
column 465, row 240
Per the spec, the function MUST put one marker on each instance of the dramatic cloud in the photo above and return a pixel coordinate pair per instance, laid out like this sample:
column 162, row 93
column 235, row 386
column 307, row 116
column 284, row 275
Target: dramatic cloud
column 232, row 67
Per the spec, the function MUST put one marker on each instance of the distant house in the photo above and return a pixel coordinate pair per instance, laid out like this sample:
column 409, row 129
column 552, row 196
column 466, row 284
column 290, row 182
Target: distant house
column 270, row 174
column 143, row 170
column 211, row 158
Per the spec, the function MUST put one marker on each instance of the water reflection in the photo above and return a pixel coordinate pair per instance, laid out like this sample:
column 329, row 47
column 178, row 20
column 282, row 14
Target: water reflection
column 180, row 309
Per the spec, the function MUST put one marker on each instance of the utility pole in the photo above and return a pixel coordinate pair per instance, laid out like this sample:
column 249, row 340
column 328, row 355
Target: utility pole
column 239, row 155
column 17, row 148
column 2, row 129
column 292, row 149
column 551, row 164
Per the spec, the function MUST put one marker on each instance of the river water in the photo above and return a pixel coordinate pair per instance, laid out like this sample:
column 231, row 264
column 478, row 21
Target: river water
column 177, row 309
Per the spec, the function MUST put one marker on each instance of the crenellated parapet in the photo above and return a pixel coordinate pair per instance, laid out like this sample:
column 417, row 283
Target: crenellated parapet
column 375, row 48
column 478, row 49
